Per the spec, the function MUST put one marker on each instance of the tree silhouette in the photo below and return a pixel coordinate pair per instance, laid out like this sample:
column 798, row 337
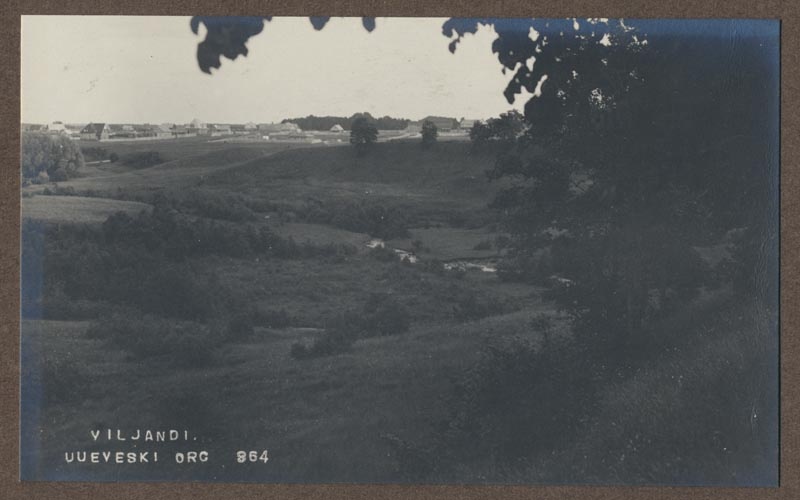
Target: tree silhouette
column 362, row 135
column 429, row 134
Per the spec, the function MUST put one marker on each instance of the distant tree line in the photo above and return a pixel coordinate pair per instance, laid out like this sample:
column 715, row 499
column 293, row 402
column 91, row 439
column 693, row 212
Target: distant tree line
column 312, row 122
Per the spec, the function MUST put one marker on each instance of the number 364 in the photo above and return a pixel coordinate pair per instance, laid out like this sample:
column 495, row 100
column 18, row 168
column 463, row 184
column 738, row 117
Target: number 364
column 253, row 456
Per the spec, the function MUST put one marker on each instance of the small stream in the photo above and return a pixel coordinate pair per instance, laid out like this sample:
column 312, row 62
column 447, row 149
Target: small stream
column 483, row 265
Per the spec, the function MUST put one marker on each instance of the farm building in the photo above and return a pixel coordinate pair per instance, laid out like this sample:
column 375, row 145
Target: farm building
column 467, row 123
column 119, row 131
column 413, row 128
column 73, row 130
column 220, row 129
column 239, row 130
column 337, row 128
column 278, row 128
column 95, row 131
column 145, row 130
column 204, row 130
column 57, row 128
column 443, row 124
column 163, row 130
column 179, row 131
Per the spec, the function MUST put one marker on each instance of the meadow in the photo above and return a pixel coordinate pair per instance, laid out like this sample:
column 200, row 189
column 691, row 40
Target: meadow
column 176, row 296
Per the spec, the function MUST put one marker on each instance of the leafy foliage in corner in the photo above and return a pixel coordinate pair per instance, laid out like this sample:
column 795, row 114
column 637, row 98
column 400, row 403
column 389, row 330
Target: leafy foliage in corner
column 227, row 36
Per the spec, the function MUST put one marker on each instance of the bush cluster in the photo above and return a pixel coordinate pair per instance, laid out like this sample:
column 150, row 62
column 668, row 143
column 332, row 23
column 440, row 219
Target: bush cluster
column 381, row 315
column 518, row 401
column 360, row 216
column 48, row 157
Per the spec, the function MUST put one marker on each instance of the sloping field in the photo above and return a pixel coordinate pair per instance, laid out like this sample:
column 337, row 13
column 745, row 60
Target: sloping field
column 77, row 209
column 449, row 169
column 187, row 165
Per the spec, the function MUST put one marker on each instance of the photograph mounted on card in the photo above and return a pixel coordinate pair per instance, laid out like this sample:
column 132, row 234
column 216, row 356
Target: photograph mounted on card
column 400, row 250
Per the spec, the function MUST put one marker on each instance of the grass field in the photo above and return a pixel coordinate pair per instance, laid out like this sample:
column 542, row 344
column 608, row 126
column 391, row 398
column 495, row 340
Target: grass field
column 76, row 209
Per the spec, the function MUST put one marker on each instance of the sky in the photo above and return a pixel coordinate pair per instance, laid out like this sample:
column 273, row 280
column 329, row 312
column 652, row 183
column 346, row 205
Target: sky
column 129, row 69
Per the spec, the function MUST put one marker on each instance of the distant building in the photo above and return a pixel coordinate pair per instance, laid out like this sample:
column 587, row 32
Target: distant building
column 179, row 131
column 443, row 124
column 196, row 124
column 145, row 130
column 239, row 130
column 337, row 128
column 73, row 130
column 220, row 129
column 250, row 126
column 278, row 128
column 467, row 124
column 163, row 130
column 32, row 127
column 119, row 131
column 413, row 128
column 57, row 128
column 95, row 131
column 206, row 130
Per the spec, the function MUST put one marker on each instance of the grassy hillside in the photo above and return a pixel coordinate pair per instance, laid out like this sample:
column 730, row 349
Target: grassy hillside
column 395, row 169
column 190, row 315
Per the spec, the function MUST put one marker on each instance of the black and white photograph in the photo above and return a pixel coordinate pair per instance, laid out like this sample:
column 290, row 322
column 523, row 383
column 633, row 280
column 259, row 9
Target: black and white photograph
column 400, row 250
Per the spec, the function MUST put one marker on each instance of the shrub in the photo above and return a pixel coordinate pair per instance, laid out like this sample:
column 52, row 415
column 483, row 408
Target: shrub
column 429, row 134
column 384, row 315
column 517, row 402
column 381, row 315
column 59, row 175
column 360, row 216
column 363, row 134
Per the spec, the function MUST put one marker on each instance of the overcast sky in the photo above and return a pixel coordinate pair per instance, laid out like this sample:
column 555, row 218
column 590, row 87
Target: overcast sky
column 79, row 69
